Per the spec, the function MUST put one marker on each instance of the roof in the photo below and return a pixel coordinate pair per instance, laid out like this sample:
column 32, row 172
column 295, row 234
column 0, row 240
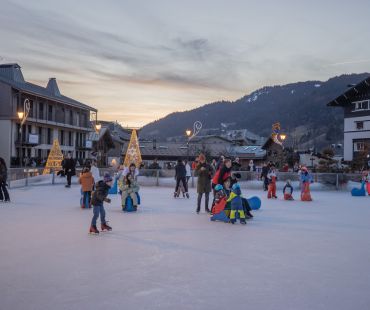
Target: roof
column 178, row 149
column 250, row 151
column 361, row 88
column 11, row 74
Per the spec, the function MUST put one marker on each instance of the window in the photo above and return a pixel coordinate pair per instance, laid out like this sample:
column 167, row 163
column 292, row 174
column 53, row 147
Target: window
column 49, row 136
column 359, row 146
column 362, row 105
column 50, row 113
column 70, row 139
column 40, row 135
column 70, row 117
column 41, row 110
column 359, row 125
column 62, row 137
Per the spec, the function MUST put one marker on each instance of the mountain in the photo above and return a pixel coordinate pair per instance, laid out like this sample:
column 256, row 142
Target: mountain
column 299, row 107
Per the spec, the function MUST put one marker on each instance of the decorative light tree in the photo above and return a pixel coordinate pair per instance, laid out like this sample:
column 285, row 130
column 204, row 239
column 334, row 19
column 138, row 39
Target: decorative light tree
column 55, row 158
column 133, row 154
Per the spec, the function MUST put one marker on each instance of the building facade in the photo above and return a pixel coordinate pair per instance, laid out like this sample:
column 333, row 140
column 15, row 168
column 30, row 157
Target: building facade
column 356, row 105
column 51, row 115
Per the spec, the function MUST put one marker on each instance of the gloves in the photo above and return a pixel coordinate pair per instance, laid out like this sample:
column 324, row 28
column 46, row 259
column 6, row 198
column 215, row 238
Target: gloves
column 107, row 200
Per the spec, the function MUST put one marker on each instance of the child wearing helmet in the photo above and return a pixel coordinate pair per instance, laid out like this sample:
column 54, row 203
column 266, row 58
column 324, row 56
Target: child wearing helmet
column 236, row 204
column 220, row 199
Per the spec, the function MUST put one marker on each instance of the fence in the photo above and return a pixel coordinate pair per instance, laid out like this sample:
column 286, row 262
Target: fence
column 21, row 177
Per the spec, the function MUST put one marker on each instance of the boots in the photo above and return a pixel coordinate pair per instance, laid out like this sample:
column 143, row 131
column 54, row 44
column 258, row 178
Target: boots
column 93, row 230
column 105, row 226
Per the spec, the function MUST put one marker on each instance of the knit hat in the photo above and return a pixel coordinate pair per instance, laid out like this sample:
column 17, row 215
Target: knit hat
column 107, row 178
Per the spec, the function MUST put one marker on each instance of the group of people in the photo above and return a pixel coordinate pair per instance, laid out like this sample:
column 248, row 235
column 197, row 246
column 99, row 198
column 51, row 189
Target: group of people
column 269, row 177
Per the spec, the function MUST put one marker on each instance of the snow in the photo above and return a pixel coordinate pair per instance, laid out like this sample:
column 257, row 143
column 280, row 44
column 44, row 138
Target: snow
column 292, row 255
column 317, row 85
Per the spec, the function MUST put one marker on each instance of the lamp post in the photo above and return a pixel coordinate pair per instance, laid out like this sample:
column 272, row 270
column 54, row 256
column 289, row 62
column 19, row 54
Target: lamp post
column 22, row 116
column 197, row 126
column 97, row 128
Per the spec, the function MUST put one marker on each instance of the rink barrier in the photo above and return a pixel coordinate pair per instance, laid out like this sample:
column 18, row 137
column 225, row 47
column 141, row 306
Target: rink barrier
column 24, row 177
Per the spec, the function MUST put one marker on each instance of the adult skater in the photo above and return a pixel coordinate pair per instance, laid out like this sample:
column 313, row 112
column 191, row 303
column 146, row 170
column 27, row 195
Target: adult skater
column 69, row 166
column 180, row 176
column 4, row 195
column 265, row 171
column 204, row 172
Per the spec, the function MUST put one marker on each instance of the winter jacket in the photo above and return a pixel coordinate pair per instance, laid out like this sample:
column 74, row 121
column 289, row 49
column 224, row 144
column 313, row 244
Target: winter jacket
column 265, row 171
column 87, row 181
column 306, row 177
column 236, row 200
column 204, row 178
column 3, row 174
column 180, row 171
column 221, row 175
column 188, row 170
column 69, row 166
column 288, row 189
column 271, row 176
column 128, row 189
column 101, row 192
column 236, row 166
column 96, row 174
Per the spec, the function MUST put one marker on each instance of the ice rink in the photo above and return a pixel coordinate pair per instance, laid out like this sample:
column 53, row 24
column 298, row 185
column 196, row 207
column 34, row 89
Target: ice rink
column 292, row 255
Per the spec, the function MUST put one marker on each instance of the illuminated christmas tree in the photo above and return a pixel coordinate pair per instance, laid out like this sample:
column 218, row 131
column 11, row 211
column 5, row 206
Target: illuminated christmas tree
column 133, row 154
column 55, row 158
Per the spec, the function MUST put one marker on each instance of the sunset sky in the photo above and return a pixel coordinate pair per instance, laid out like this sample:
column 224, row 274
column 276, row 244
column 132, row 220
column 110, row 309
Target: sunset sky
column 136, row 61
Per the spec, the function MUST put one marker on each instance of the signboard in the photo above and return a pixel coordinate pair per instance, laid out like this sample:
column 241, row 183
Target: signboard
column 33, row 139
column 88, row 144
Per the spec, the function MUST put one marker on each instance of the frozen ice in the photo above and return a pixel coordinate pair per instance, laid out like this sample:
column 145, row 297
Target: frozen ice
column 292, row 255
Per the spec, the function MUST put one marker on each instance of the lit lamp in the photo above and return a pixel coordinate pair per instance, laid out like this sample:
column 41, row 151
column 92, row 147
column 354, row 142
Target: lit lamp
column 188, row 133
column 98, row 127
column 21, row 116
column 283, row 136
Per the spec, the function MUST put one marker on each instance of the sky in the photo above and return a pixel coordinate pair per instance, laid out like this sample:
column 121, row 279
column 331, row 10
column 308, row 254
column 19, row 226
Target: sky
column 137, row 61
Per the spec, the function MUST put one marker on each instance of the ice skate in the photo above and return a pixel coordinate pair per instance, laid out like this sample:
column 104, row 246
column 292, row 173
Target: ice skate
column 93, row 230
column 105, row 226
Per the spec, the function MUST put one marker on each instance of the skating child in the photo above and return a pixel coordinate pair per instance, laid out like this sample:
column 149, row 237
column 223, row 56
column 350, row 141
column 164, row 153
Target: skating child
column 129, row 187
column 220, row 200
column 271, row 177
column 306, row 180
column 236, row 205
column 97, row 201
column 87, row 183
column 288, row 191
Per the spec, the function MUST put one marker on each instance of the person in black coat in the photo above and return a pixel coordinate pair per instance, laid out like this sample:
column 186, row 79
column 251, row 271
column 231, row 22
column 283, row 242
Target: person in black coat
column 4, row 195
column 180, row 176
column 264, row 173
column 69, row 167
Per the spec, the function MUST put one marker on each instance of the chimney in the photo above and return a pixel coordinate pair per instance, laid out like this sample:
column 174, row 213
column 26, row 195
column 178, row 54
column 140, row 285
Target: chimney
column 53, row 88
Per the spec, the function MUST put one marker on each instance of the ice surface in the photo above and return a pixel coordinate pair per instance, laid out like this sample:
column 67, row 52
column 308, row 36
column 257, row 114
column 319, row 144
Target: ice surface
column 292, row 255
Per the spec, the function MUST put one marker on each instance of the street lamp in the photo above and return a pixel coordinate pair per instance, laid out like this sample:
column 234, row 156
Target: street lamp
column 191, row 134
column 22, row 115
column 97, row 128
column 282, row 137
